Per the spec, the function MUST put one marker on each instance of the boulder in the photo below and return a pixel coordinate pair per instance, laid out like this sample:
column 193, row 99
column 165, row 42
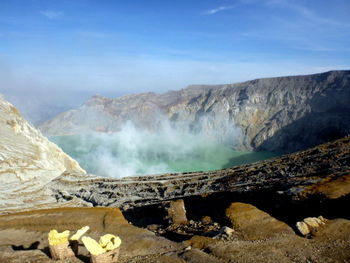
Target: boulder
column 303, row 228
column 176, row 212
column 309, row 224
column 254, row 224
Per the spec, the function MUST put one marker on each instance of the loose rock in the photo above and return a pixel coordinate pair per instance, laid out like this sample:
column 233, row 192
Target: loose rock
column 303, row 228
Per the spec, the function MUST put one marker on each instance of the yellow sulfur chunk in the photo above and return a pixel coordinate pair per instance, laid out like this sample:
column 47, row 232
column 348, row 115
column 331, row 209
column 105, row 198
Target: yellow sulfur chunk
column 56, row 238
column 92, row 246
column 110, row 242
column 80, row 233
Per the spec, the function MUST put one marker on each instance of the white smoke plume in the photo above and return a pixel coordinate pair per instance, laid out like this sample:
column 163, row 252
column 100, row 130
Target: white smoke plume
column 135, row 151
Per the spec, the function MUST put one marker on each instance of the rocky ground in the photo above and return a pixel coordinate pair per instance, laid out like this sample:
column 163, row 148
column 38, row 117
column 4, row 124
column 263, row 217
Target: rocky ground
column 244, row 234
column 311, row 179
column 251, row 219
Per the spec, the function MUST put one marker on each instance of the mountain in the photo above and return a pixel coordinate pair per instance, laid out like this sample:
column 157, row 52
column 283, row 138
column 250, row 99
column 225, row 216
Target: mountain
column 185, row 217
column 283, row 114
column 35, row 173
column 28, row 162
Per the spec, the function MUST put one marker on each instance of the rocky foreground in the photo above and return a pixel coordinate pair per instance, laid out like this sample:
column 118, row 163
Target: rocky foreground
column 247, row 213
column 243, row 233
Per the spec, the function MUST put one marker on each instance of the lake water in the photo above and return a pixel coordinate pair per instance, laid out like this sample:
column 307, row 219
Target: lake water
column 129, row 153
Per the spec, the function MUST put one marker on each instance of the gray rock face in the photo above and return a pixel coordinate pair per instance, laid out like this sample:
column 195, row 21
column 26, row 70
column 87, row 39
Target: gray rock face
column 321, row 172
column 28, row 162
column 35, row 173
column 282, row 114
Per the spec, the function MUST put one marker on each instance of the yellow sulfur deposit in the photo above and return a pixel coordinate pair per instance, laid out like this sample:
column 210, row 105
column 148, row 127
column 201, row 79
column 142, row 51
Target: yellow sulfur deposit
column 92, row 246
column 80, row 233
column 106, row 243
column 109, row 242
column 56, row 238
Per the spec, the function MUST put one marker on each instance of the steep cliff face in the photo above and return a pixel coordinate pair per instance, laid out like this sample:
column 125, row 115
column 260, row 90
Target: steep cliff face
column 28, row 162
column 282, row 114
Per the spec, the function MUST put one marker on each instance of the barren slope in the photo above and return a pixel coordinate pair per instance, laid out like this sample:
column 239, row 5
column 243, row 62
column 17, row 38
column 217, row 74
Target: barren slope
column 282, row 114
column 28, row 162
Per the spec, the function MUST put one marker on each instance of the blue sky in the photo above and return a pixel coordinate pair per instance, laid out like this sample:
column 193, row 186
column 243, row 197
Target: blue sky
column 61, row 52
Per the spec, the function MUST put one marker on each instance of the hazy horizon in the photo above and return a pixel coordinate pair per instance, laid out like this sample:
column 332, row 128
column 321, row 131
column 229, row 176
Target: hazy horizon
column 55, row 55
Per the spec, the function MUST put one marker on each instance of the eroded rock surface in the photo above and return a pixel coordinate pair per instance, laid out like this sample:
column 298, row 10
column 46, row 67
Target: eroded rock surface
column 329, row 244
column 297, row 176
column 254, row 223
column 176, row 212
column 282, row 114
column 28, row 162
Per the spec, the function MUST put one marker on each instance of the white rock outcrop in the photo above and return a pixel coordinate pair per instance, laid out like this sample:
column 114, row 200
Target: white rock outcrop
column 306, row 226
column 28, row 162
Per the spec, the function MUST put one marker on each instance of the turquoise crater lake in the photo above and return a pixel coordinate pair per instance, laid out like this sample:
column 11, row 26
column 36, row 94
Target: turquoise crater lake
column 129, row 153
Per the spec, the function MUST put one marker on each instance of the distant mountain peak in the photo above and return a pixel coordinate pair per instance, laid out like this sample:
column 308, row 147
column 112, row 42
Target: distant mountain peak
column 276, row 114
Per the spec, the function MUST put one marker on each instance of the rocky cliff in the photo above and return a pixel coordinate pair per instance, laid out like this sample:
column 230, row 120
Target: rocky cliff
column 214, row 206
column 282, row 114
column 316, row 174
column 35, row 173
column 28, row 162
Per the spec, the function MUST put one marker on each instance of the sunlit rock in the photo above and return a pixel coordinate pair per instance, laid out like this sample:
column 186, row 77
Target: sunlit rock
column 254, row 224
column 28, row 162
column 313, row 221
column 303, row 228
column 309, row 224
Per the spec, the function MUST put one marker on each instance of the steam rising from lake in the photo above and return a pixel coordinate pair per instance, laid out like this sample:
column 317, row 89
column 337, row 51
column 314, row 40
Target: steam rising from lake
column 133, row 151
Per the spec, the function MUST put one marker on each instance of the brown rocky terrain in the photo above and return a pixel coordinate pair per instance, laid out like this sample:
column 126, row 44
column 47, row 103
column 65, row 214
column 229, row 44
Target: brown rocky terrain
column 227, row 218
column 24, row 238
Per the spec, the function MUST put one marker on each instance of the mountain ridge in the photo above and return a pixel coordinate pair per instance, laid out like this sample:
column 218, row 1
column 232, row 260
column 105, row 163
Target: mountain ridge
column 269, row 112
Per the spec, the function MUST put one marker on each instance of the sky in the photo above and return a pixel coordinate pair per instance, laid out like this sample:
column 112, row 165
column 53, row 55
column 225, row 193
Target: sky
column 54, row 54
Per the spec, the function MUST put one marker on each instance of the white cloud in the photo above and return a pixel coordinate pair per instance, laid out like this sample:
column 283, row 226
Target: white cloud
column 50, row 14
column 216, row 10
